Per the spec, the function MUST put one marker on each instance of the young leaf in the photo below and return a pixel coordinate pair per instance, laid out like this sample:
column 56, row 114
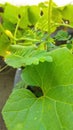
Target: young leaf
column 62, row 36
column 53, row 110
column 22, row 56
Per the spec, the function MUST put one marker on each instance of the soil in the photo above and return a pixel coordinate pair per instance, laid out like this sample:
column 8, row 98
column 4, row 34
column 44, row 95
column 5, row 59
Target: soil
column 6, row 86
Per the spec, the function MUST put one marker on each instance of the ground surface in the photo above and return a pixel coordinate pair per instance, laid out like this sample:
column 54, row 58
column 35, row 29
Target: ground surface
column 6, row 85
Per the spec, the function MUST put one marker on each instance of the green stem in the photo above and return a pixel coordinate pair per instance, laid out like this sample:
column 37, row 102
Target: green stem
column 29, row 39
column 66, row 25
column 49, row 16
column 1, row 28
column 16, row 29
column 62, row 24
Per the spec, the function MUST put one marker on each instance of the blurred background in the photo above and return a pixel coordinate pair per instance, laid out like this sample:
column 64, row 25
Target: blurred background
column 23, row 2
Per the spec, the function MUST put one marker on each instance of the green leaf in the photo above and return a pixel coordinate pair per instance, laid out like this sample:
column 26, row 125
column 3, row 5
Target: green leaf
column 13, row 13
column 53, row 110
column 56, row 73
column 33, row 15
column 22, row 56
column 42, row 22
column 23, row 12
column 62, row 36
column 67, row 13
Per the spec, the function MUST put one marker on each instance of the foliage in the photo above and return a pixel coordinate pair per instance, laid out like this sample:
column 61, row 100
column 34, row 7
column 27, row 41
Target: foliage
column 18, row 20
column 22, row 56
column 62, row 36
column 53, row 110
column 25, row 41
column 67, row 13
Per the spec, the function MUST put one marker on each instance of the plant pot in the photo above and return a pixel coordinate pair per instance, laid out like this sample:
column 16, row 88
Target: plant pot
column 6, row 85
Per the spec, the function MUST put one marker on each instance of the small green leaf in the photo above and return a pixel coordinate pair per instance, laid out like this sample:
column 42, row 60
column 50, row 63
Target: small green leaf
column 22, row 56
column 62, row 36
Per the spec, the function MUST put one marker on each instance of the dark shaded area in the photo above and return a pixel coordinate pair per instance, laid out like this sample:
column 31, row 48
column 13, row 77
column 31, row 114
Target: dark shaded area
column 19, row 16
column 41, row 13
column 66, row 29
column 1, row 20
column 1, row 10
column 31, row 26
column 6, row 86
column 36, row 90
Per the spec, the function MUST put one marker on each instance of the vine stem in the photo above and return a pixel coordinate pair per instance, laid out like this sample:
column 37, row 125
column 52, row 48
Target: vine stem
column 49, row 20
column 49, row 16
column 62, row 24
column 1, row 28
column 16, row 29
column 29, row 39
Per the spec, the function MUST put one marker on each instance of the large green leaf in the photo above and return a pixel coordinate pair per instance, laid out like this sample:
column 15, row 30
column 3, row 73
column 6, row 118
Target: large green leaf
column 57, row 73
column 53, row 110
